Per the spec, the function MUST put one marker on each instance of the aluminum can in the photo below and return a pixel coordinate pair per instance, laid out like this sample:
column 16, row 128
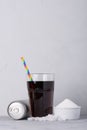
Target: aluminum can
column 18, row 110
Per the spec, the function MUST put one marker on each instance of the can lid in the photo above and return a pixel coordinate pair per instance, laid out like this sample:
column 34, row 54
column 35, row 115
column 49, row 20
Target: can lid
column 17, row 110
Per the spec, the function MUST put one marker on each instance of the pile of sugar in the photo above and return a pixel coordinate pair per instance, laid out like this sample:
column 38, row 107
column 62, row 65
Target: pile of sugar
column 67, row 104
column 49, row 117
column 54, row 117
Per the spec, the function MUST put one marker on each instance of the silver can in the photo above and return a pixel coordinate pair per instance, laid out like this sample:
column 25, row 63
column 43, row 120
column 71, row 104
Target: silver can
column 18, row 110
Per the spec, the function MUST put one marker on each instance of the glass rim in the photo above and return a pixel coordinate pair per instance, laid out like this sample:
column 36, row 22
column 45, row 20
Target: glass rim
column 42, row 77
column 43, row 73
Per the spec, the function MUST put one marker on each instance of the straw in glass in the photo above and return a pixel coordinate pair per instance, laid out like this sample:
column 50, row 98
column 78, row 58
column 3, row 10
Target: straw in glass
column 27, row 70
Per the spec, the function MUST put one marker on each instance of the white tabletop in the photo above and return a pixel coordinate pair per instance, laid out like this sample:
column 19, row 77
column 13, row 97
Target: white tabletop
column 7, row 123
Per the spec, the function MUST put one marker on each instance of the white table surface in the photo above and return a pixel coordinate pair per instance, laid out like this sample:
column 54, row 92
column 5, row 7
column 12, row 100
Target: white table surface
column 7, row 123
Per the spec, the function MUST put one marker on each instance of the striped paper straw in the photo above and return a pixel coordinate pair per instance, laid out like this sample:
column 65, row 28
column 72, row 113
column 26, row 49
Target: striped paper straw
column 27, row 70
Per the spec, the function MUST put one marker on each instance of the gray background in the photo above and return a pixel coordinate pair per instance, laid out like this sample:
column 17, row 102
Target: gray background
column 52, row 36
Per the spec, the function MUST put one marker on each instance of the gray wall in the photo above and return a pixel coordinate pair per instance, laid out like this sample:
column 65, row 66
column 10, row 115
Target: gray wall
column 52, row 36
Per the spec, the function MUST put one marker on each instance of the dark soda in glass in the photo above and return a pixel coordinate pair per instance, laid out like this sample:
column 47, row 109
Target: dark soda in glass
column 41, row 97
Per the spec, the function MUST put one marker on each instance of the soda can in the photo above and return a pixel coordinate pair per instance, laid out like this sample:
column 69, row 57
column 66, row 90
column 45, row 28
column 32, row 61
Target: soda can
column 18, row 110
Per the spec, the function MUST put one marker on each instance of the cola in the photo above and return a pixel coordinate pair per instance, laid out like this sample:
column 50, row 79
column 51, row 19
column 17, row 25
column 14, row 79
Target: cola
column 40, row 97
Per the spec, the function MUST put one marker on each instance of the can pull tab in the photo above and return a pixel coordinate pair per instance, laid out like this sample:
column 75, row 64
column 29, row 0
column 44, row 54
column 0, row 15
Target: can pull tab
column 16, row 110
